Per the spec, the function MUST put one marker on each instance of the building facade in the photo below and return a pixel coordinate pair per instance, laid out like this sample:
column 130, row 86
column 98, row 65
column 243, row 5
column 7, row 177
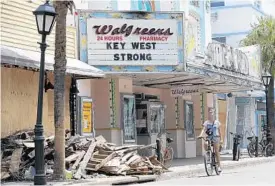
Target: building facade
column 20, row 61
column 227, row 24
column 139, row 100
column 230, row 28
column 163, row 83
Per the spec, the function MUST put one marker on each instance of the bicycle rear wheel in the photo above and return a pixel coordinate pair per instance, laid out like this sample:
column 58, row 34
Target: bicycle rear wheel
column 168, row 157
column 261, row 150
column 208, row 164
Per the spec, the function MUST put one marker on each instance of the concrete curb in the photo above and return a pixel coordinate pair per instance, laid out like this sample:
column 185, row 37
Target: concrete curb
column 115, row 180
column 187, row 171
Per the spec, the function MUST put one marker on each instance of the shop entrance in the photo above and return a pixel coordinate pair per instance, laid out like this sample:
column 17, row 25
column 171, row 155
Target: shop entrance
column 150, row 115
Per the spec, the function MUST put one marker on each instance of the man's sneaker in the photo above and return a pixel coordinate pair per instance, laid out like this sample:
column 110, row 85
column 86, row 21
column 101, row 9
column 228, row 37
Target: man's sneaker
column 219, row 169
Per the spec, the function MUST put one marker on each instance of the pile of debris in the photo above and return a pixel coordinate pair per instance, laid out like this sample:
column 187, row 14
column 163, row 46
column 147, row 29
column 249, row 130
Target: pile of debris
column 85, row 156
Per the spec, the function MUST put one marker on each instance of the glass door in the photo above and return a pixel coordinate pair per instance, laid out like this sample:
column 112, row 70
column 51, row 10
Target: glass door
column 129, row 119
column 157, row 118
column 189, row 120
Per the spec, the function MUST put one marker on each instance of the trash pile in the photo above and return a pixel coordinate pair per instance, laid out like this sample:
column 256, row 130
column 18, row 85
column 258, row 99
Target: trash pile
column 85, row 156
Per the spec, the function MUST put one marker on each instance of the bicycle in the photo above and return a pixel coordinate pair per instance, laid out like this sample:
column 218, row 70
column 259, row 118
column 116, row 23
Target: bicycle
column 267, row 146
column 210, row 157
column 167, row 154
column 251, row 147
column 236, row 146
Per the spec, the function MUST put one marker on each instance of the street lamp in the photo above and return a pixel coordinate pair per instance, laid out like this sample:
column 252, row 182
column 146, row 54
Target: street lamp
column 266, row 77
column 45, row 16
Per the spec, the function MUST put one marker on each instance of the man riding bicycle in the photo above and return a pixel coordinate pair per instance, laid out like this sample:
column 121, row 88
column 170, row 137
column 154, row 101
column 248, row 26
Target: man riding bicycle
column 212, row 129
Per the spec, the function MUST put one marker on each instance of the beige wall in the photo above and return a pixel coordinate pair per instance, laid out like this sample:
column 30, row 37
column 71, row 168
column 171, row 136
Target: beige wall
column 18, row 28
column 99, row 91
column 19, row 89
column 170, row 112
column 222, row 116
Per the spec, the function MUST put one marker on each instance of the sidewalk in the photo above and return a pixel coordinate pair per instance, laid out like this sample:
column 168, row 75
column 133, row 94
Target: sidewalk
column 180, row 168
column 194, row 169
column 199, row 160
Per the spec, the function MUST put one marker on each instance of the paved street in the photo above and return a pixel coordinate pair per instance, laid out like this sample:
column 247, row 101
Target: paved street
column 262, row 174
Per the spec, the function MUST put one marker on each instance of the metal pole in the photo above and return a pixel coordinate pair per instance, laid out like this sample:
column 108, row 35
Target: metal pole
column 267, row 118
column 73, row 95
column 159, row 158
column 256, row 146
column 40, row 175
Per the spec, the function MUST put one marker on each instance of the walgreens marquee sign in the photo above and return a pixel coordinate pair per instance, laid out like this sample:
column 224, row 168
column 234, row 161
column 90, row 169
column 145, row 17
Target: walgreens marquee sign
column 132, row 42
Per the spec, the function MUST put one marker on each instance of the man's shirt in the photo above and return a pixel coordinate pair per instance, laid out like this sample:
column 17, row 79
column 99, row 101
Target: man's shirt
column 212, row 126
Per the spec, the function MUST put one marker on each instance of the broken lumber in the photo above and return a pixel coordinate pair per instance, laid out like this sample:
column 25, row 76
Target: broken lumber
column 84, row 157
column 15, row 161
column 76, row 163
column 85, row 160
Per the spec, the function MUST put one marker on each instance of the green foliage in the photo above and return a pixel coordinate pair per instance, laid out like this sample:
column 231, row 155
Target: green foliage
column 263, row 33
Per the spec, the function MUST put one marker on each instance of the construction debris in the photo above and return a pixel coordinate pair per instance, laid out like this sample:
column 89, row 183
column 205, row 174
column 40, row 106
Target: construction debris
column 85, row 157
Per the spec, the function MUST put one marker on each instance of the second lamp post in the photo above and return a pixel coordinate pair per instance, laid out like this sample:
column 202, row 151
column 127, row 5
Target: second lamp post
column 266, row 77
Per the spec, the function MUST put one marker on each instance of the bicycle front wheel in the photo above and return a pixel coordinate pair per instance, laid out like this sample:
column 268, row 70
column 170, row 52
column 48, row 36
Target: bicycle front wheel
column 208, row 164
column 269, row 150
column 168, row 157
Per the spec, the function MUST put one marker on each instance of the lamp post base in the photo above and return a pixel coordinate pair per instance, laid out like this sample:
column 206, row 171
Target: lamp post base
column 40, row 179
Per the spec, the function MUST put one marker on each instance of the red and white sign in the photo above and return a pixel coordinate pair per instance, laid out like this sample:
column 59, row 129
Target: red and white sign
column 132, row 42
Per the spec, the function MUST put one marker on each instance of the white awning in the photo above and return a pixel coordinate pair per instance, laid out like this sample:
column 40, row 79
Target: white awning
column 256, row 93
column 24, row 58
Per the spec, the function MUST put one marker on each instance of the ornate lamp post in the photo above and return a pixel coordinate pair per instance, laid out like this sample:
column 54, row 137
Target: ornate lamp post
column 266, row 77
column 45, row 17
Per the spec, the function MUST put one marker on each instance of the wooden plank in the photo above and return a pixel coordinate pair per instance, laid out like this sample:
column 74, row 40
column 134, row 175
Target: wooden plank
column 100, row 156
column 133, row 159
column 15, row 160
column 123, row 168
column 100, row 139
column 78, row 160
column 127, row 156
column 28, row 144
column 115, row 162
column 85, row 161
column 4, row 175
column 128, row 147
column 155, row 162
column 73, row 157
column 103, row 162
column 31, row 154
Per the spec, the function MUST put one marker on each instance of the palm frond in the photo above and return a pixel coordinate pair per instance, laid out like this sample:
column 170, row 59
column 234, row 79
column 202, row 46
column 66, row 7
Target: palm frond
column 263, row 33
column 71, row 6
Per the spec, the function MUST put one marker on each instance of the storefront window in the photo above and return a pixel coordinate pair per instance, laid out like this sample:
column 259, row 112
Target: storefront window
column 129, row 120
column 157, row 119
column 189, row 120
column 142, row 128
